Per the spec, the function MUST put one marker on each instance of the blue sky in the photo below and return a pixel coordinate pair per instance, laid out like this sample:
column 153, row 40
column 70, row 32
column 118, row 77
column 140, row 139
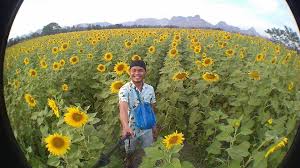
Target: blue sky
column 260, row 14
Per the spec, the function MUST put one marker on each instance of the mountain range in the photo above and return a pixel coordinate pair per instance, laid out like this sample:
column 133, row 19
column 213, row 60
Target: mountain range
column 179, row 21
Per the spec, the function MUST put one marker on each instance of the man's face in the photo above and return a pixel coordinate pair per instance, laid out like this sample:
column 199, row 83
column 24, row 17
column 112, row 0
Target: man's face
column 137, row 74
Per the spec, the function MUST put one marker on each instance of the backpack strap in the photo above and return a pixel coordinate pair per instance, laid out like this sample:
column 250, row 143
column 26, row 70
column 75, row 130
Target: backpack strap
column 138, row 95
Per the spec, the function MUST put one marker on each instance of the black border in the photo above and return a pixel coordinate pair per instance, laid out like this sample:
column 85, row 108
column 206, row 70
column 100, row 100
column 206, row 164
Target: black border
column 11, row 153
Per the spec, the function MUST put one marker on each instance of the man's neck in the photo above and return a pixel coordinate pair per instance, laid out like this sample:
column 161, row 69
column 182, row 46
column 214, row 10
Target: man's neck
column 138, row 85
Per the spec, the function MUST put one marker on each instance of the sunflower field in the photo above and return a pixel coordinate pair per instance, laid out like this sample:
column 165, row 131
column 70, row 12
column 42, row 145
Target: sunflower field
column 233, row 99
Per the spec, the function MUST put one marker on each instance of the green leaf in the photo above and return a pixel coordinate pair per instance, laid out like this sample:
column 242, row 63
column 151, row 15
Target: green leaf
column 44, row 129
column 224, row 136
column 92, row 114
column 226, row 128
column 239, row 151
column 290, row 125
column 77, row 138
column 60, row 121
column 53, row 161
column 259, row 160
column 245, row 131
column 205, row 100
column 176, row 163
column 154, row 153
column 235, row 164
column 186, row 164
column 214, row 148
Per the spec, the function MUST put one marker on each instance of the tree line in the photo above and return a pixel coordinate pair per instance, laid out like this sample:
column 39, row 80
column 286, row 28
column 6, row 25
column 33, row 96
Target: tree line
column 285, row 36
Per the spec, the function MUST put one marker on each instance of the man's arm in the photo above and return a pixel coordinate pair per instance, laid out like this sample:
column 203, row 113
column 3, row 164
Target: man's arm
column 123, row 107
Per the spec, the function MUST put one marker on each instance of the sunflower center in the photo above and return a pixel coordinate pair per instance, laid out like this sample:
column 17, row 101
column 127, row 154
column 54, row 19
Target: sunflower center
column 31, row 100
column 77, row 117
column 207, row 61
column 210, row 76
column 173, row 140
column 173, row 51
column 120, row 67
column 58, row 142
column 74, row 59
column 117, row 86
column 65, row 46
column 55, row 66
column 33, row 73
column 181, row 76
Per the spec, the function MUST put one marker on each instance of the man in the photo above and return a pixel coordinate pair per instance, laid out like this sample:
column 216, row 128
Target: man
column 128, row 101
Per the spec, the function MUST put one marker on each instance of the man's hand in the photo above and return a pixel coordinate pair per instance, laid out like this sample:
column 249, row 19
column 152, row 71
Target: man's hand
column 127, row 130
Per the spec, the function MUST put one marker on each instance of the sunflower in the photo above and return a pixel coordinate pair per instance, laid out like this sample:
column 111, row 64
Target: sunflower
column 229, row 52
column 18, row 71
column 274, row 60
column 115, row 86
column 32, row 73
column 197, row 49
column 176, row 38
column 57, row 144
column 198, row 63
column 55, row 50
column 254, row 75
column 180, row 76
column 207, row 62
column 75, row 118
column 93, row 42
column 79, row 43
column 55, row 66
column 64, row 46
column 62, row 62
column 174, row 44
column 53, row 106
column 90, row 56
column 43, row 63
column 260, row 57
column 120, row 68
column 210, row 77
column 135, row 58
column 30, row 100
column 16, row 84
column 290, row 86
column 108, row 56
column 173, row 52
column 222, row 44
column 270, row 121
column 101, row 68
column 65, row 87
column 74, row 60
column 26, row 61
column 128, row 44
column 173, row 139
column 242, row 55
column 151, row 49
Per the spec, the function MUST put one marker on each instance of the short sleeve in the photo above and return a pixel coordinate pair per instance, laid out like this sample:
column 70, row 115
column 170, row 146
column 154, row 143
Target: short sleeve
column 153, row 98
column 123, row 94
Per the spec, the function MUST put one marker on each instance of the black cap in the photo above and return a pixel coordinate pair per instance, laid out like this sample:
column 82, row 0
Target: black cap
column 139, row 63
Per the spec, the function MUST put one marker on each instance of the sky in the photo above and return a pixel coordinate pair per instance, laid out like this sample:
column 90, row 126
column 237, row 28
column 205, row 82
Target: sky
column 260, row 14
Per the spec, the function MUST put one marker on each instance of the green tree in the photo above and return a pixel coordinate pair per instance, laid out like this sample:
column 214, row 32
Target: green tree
column 51, row 28
column 285, row 36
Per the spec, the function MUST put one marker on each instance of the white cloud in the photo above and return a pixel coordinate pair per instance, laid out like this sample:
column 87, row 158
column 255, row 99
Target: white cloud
column 264, row 6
